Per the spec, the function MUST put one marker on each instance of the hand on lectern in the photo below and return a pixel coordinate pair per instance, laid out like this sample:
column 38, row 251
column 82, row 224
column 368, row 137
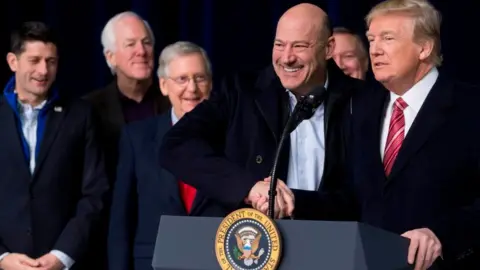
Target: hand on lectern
column 424, row 248
column 284, row 201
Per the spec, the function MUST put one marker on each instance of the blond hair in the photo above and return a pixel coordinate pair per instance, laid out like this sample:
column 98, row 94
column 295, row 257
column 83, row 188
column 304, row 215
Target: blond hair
column 425, row 17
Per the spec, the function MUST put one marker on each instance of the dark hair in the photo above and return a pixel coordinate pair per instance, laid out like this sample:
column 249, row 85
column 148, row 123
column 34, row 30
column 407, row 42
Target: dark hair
column 30, row 31
column 360, row 41
column 343, row 30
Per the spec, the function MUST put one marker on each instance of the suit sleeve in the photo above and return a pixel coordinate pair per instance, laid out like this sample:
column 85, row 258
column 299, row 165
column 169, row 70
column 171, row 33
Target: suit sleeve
column 123, row 216
column 193, row 149
column 74, row 239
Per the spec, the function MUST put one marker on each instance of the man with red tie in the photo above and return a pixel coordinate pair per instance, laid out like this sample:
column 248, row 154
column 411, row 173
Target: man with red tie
column 414, row 143
column 144, row 191
column 415, row 150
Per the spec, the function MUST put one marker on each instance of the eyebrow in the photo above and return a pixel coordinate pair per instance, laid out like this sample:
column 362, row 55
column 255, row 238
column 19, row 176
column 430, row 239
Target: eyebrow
column 294, row 42
column 383, row 33
column 135, row 39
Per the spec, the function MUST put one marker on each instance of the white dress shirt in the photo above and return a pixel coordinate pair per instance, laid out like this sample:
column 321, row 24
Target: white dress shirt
column 307, row 150
column 414, row 97
column 29, row 120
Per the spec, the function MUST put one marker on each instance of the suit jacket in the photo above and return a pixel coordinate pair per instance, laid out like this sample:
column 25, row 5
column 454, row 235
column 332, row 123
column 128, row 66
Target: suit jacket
column 143, row 192
column 58, row 205
column 434, row 181
column 228, row 143
column 106, row 102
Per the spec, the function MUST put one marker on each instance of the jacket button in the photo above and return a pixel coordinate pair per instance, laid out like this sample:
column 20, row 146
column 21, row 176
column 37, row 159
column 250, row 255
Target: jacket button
column 259, row 159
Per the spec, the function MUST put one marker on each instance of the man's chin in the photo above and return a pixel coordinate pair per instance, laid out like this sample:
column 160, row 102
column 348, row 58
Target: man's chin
column 141, row 76
column 289, row 84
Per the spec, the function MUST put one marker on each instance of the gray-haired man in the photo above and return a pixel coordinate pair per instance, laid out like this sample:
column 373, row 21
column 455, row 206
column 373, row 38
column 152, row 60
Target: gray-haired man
column 133, row 95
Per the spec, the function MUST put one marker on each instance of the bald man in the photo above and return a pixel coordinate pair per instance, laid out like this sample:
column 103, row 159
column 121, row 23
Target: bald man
column 226, row 145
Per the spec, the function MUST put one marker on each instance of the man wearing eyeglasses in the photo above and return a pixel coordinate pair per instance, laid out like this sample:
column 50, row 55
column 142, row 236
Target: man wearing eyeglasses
column 144, row 191
column 226, row 145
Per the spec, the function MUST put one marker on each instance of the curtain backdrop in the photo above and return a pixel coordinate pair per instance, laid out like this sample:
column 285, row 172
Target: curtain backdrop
column 236, row 34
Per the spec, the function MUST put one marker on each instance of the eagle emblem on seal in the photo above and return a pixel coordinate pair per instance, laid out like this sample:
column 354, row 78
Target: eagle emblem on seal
column 248, row 241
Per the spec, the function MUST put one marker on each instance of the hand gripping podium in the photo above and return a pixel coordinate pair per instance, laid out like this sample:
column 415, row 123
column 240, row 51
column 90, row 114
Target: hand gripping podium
column 190, row 243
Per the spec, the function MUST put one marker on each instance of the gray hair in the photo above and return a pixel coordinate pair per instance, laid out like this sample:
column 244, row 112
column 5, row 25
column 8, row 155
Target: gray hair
column 108, row 37
column 180, row 48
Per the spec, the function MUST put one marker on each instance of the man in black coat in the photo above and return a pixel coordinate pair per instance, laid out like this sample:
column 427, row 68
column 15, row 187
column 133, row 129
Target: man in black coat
column 225, row 147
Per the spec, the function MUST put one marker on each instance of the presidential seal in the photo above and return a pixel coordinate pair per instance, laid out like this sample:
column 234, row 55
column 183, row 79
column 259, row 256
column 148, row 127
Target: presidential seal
column 247, row 239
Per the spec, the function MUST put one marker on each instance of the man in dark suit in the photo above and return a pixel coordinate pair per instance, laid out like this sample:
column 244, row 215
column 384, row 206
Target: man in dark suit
column 53, row 178
column 225, row 147
column 415, row 152
column 132, row 95
column 143, row 190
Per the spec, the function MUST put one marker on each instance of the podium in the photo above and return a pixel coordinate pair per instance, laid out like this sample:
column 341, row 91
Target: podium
column 189, row 243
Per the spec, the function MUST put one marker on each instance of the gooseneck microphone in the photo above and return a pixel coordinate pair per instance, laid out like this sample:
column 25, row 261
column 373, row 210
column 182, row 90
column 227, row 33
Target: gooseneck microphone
column 305, row 109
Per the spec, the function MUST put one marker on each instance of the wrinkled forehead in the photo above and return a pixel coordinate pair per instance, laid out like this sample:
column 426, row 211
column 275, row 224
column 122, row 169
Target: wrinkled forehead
column 345, row 41
column 391, row 23
column 39, row 49
column 131, row 28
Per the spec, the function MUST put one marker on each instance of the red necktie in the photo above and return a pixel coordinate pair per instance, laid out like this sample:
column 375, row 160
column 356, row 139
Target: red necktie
column 188, row 194
column 396, row 134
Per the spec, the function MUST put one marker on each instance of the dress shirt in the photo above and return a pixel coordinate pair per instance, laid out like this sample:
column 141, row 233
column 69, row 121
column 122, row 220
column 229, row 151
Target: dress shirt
column 307, row 150
column 135, row 111
column 414, row 97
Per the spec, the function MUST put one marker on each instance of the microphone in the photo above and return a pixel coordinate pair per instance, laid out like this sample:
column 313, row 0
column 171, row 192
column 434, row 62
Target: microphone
column 305, row 109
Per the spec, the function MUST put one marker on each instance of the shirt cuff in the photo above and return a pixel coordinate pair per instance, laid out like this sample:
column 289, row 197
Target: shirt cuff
column 64, row 258
column 3, row 255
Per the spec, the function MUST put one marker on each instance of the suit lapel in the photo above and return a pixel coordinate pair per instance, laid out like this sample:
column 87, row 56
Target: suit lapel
column 12, row 140
column 169, row 183
column 272, row 105
column 337, row 90
column 370, row 131
column 113, row 108
column 428, row 120
column 52, row 127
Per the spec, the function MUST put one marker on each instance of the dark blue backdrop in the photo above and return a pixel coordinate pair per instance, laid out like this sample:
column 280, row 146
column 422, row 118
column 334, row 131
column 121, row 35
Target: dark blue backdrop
column 236, row 34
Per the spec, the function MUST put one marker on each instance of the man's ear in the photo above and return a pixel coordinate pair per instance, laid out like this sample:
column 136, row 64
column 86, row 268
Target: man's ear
column 163, row 86
column 12, row 61
column 330, row 47
column 426, row 49
column 111, row 58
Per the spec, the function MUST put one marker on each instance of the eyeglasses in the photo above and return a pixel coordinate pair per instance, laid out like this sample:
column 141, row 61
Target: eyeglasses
column 184, row 80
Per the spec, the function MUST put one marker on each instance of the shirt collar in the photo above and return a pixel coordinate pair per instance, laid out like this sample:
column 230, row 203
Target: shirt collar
column 24, row 106
column 174, row 117
column 416, row 95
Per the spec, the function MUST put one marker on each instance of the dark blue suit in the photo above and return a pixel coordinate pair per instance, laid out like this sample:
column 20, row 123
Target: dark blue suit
column 142, row 193
column 435, row 180
column 59, row 205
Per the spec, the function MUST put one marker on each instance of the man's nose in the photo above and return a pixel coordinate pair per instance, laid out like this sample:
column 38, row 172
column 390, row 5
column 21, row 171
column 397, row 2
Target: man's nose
column 288, row 56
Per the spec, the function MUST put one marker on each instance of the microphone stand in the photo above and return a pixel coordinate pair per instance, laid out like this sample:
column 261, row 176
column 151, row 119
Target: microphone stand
column 273, row 182
column 304, row 109
column 273, row 175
